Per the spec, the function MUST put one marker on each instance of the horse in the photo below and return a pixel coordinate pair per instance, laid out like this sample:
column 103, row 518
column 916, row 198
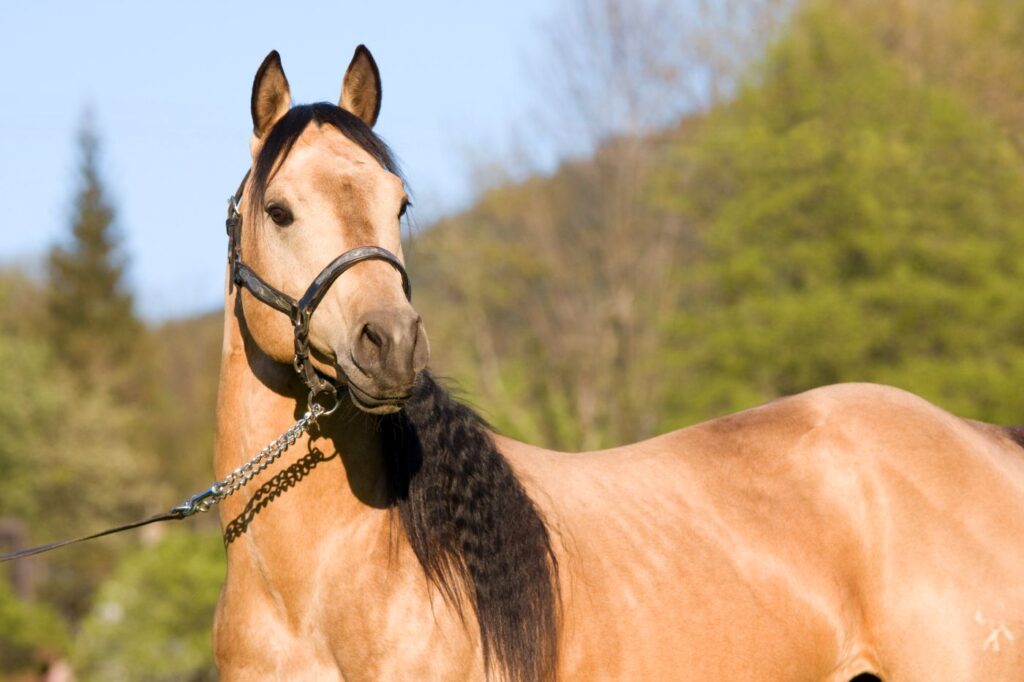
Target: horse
column 852, row 532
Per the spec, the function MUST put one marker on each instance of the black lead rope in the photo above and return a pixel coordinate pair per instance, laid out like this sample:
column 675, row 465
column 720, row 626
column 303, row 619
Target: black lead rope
column 199, row 502
column 172, row 515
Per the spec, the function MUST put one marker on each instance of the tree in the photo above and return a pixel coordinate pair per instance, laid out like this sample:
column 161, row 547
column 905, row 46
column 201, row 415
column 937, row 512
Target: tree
column 93, row 325
column 540, row 300
column 31, row 634
column 972, row 46
column 152, row 618
column 840, row 218
column 75, row 454
column 68, row 463
column 858, row 224
column 188, row 355
column 570, row 358
column 625, row 69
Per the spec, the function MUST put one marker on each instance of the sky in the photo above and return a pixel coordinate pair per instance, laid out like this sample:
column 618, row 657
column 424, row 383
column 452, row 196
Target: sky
column 167, row 85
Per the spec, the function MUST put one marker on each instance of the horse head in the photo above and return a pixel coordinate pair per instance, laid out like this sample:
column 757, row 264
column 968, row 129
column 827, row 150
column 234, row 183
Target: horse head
column 323, row 184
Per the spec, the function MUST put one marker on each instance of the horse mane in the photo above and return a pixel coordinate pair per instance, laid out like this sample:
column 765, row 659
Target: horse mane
column 473, row 528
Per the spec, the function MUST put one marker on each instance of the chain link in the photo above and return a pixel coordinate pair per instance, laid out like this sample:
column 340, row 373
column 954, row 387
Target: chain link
column 227, row 486
column 267, row 456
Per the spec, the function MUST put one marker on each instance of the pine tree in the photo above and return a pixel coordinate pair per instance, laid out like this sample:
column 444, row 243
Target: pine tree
column 101, row 387
column 94, row 327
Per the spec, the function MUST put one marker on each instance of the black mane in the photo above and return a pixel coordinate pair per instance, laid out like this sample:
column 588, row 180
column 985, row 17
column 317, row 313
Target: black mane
column 474, row 529
column 287, row 130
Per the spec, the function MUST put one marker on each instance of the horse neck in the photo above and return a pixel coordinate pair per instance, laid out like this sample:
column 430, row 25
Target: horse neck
column 330, row 522
column 258, row 399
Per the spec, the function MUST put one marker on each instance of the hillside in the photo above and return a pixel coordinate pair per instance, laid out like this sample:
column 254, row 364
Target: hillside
column 853, row 213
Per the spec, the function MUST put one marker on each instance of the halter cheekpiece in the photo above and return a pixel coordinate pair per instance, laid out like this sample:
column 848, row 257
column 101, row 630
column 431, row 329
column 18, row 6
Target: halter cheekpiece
column 300, row 311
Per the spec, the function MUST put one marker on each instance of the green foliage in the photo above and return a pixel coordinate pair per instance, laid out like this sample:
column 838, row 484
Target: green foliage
column 539, row 299
column 152, row 619
column 858, row 225
column 22, row 413
column 186, row 354
column 76, row 389
column 66, row 460
column 854, row 213
column 45, row 467
column 975, row 47
column 30, row 633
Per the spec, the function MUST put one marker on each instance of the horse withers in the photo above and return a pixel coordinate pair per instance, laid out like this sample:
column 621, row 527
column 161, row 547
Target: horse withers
column 850, row 532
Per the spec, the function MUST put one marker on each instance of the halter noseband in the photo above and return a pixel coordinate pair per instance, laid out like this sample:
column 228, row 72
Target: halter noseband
column 301, row 311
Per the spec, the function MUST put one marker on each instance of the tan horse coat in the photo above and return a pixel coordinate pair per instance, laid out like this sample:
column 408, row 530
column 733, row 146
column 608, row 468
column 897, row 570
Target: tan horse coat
column 851, row 529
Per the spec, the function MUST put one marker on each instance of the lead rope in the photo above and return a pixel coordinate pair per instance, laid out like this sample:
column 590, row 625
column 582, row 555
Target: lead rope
column 220, row 490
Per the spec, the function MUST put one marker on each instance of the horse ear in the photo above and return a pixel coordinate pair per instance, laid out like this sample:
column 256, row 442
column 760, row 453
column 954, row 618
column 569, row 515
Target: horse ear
column 360, row 92
column 271, row 97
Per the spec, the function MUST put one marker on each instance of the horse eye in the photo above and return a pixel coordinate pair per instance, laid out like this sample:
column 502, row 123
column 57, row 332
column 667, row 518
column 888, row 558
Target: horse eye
column 279, row 214
column 405, row 206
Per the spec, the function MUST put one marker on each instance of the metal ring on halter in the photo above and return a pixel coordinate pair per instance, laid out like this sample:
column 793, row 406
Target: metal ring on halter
column 311, row 401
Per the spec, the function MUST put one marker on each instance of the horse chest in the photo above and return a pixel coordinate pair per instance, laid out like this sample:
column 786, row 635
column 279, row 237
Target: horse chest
column 321, row 614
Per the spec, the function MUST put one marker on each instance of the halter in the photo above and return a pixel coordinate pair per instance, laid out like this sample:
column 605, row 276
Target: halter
column 301, row 311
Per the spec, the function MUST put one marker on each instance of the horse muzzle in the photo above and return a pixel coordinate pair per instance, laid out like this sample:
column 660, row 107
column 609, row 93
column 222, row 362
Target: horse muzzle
column 386, row 351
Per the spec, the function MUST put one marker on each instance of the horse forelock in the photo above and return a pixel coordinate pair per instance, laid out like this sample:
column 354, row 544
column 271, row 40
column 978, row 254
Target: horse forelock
column 286, row 132
column 475, row 531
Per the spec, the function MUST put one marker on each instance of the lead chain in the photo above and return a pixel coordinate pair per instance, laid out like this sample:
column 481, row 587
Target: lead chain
column 267, row 456
column 231, row 483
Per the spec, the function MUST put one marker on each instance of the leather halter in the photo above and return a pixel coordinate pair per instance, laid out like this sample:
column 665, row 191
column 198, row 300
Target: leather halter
column 301, row 311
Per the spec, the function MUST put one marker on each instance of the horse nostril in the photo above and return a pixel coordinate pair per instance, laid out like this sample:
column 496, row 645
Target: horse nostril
column 388, row 348
column 372, row 336
column 369, row 348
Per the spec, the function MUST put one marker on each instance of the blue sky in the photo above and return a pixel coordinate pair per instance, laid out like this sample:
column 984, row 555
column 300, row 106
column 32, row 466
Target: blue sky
column 168, row 85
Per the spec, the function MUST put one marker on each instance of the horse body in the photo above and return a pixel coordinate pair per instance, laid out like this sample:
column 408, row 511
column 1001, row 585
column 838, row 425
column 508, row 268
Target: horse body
column 849, row 530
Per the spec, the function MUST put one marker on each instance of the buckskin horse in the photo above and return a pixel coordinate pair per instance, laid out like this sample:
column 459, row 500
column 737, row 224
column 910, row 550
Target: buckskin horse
column 850, row 532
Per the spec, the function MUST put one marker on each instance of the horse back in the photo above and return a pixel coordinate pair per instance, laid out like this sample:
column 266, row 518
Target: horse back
column 854, row 528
